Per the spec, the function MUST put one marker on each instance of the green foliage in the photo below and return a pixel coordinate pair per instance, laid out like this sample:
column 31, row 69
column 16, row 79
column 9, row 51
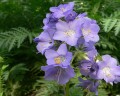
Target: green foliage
column 2, row 70
column 112, row 24
column 13, row 77
column 109, row 35
column 17, row 72
column 1, row 59
column 76, row 91
column 15, row 37
column 106, row 44
column 23, row 13
column 102, row 92
column 43, row 88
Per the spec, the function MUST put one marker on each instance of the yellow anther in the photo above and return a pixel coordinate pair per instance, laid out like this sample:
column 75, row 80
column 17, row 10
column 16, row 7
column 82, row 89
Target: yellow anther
column 57, row 60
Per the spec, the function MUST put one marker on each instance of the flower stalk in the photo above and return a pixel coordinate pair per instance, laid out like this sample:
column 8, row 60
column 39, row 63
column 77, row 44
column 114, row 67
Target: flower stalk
column 67, row 89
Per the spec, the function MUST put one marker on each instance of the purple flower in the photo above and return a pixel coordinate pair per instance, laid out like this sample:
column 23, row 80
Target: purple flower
column 81, row 19
column 70, row 15
column 86, row 46
column 88, row 68
column 108, row 69
column 92, row 54
column 59, row 11
column 68, row 32
column 90, row 85
column 59, row 74
column 89, row 28
column 44, row 41
column 61, row 57
column 49, row 21
column 85, row 67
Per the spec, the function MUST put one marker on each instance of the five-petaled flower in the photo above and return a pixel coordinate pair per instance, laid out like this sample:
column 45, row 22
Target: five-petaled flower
column 61, row 57
column 61, row 9
column 108, row 69
column 67, row 32
column 44, row 41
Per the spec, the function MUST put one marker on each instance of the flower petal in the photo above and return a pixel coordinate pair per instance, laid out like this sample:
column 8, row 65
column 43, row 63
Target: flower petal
column 59, row 35
column 51, row 54
column 62, row 26
column 51, row 61
column 62, row 50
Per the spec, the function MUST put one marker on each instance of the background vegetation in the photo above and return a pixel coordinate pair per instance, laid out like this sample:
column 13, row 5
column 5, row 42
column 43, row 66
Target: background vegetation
column 22, row 20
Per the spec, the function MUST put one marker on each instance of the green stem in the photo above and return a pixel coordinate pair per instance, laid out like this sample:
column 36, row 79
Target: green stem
column 67, row 85
column 67, row 89
column 75, row 54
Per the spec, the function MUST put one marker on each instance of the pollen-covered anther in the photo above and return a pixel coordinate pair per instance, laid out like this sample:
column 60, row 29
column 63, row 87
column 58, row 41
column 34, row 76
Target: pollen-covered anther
column 57, row 60
column 70, row 33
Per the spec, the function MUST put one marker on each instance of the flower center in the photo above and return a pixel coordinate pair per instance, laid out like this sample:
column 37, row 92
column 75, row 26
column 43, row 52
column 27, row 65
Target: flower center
column 106, row 71
column 86, row 32
column 59, row 59
column 62, row 9
column 70, row 33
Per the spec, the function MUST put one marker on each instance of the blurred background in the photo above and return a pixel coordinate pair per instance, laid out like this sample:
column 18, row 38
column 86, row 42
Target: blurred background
column 22, row 20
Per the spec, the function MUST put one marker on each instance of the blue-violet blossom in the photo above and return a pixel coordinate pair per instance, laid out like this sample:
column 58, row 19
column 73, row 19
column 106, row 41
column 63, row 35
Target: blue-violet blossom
column 61, row 57
column 108, row 69
column 57, row 73
column 59, row 11
column 44, row 41
column 68, row 32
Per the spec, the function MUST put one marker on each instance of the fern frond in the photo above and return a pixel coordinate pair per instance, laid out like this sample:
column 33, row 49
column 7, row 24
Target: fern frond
column 15, row 37
column 112, row 23
column 106, row 24
column 106, row 44
column 46, row 88
column 2, row 71
column 17, row 71
column 117, row 28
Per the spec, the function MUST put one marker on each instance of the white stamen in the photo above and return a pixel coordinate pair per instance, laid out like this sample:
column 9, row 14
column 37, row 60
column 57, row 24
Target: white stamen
column 70, row 33
column 86, row 32
column 106, row 71
column 62, row 9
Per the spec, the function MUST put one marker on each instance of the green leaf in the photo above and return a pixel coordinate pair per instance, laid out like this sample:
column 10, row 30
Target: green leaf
column 102, row 92
column 15, row 37
column 76, row 91
column 17, row 71
column 117, row 28
column 1, row 59
column 106, row 23
column 112, row 24
column 12, row 44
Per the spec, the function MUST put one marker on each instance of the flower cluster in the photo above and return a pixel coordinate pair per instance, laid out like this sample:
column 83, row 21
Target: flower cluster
column 65, row 29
